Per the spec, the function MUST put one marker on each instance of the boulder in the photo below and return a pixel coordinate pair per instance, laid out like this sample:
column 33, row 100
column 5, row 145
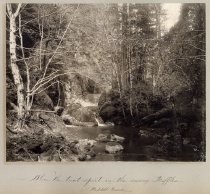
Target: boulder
column 116, row 138
column 103, row 137
column 109, row 123
column 110, row 107
column 79, row 86
column 59, row 110
column 108, row 113
column 84, row 114
column 82, row 157
column 109, row 138
column 93, row 98
column 42, row 100
column 84, row 149
column 48, row 121
column 69, row 120
column 113, row 147
column 93, row 108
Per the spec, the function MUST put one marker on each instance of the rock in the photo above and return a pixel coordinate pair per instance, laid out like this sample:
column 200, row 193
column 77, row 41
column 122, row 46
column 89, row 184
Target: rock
column 79, row 86
column 48, row 121
column 91, row 154
column 84, row 145
column 93, row 108
column 109, row 138
column 107, row 113
column 102, row 99
column 116, row 138
column 59, row 110
column 82, row 157
column 93, row 98
column 109, row 123
column 42, row 100
column 110, row 96
column 83, row 148
column 103, row 137
column 88, row 157
column 69, row 120
column 144, row 133
column 113, row 147
column 72, row 107
column 110, row 107
column 84, row 114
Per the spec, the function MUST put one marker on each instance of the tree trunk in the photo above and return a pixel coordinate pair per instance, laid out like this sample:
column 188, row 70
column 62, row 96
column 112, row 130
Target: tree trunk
column 14, row 68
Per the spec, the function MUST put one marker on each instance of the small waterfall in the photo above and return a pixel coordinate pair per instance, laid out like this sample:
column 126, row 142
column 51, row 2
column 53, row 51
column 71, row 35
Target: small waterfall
column 99, row 123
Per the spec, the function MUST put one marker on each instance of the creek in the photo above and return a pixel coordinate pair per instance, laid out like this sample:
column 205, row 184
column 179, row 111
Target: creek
column 135, row 147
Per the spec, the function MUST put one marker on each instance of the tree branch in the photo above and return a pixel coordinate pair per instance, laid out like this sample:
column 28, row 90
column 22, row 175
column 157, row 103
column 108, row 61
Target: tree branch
column 45, row 71
column 9, row 9
column 17, row 10
column 45, row 88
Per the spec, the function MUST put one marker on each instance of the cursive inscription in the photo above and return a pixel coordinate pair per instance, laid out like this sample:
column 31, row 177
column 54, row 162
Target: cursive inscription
column 102, row 183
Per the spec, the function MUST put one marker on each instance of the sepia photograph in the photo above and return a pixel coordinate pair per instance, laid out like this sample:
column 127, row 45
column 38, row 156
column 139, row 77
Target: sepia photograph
column 105, row 82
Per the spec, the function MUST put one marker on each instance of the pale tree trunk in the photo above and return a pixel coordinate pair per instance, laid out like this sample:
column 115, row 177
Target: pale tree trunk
column 124, row 74
column 13, row 58
column 130, row 78
column 131, row 84
column 119, row 86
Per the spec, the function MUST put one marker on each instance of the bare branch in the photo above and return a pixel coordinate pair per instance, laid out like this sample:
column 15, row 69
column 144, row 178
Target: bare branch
column 43, row 84
column 43, row 80
column 196, row 47
column 9, row 9
column 45, row 71
column 17, row 10
column 45, row 88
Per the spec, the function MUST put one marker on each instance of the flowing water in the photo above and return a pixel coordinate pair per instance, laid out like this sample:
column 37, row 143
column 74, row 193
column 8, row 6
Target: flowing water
column 135, row 148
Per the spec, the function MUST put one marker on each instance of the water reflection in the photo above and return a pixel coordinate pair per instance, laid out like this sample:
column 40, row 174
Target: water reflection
column 135, row 148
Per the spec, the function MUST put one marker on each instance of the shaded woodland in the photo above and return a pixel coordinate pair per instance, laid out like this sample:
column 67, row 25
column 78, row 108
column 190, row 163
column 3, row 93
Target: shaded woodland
column 92, row 65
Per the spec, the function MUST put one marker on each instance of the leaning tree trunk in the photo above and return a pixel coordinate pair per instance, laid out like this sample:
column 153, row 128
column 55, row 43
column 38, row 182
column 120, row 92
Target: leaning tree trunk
column 13, row 58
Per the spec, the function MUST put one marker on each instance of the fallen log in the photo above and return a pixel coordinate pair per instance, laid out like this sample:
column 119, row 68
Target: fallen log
column 165, row 112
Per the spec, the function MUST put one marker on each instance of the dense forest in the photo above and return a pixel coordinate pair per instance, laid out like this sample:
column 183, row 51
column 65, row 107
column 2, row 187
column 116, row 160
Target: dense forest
column 104, row 82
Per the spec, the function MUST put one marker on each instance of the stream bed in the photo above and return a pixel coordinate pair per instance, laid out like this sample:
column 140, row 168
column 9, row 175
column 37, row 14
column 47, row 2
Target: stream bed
column 135, row 147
